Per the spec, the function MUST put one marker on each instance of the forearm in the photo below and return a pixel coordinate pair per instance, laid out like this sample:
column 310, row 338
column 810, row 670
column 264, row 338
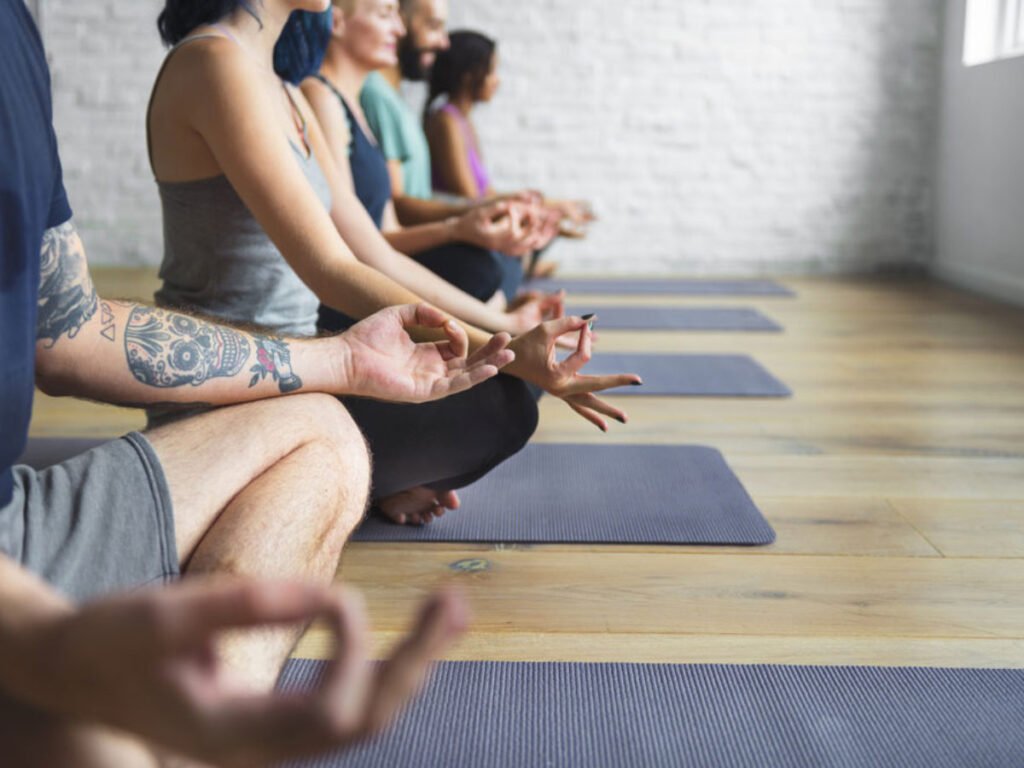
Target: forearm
column 374, row 253
column 131, row 354
column 423, row 237
column 414, row 210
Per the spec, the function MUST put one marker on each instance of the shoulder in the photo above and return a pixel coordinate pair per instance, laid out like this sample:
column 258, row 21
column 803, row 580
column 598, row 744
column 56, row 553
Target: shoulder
column 442, row 125
column 210, row 56
column 378, row 97
column 376, row 86
column 209, row 69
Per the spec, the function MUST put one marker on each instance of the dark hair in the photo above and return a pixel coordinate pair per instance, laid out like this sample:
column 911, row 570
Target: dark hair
column 301, row 48
column 180, row 17
column 468, row 58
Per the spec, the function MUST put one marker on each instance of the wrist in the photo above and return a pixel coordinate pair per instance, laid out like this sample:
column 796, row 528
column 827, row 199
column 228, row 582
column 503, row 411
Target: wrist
column 520, row 366
column 325, row 365
column 512, row 323
column 453, row 229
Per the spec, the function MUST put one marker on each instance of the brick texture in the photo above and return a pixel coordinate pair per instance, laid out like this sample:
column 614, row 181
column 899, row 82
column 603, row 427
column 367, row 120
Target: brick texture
column 717, row 136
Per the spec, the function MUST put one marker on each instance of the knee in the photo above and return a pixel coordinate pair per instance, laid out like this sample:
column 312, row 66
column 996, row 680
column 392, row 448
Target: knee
column 335, row 432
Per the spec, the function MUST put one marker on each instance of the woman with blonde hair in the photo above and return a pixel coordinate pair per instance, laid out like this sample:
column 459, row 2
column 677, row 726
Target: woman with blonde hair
column 465, row 249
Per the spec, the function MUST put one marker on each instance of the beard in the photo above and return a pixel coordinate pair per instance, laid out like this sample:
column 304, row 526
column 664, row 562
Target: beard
column 410, row 61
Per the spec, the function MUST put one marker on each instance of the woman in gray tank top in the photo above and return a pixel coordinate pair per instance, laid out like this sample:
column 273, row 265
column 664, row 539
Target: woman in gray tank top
column 257, row 229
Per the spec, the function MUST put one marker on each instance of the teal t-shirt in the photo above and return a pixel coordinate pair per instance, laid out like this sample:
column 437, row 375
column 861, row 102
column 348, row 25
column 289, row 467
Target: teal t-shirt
column 399, row 134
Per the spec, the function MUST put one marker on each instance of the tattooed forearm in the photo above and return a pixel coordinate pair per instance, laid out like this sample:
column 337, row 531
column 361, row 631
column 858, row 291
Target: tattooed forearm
column 168, row 349
column 273, row 359
column 108, row 323
column 67, row 298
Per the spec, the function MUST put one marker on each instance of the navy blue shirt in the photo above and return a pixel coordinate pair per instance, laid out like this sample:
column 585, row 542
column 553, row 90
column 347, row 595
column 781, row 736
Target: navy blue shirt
column 32, row 200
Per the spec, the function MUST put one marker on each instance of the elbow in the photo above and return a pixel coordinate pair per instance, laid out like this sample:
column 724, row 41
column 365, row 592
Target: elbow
column 54, row 377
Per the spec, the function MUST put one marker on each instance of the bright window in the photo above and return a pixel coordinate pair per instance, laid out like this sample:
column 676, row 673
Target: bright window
column 994, row 29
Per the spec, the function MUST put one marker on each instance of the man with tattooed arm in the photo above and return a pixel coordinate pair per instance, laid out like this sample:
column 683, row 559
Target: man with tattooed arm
column 266, row 489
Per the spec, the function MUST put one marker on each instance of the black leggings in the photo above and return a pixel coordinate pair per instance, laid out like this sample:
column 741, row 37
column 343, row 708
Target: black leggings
column 477, row 271
column 449, row 443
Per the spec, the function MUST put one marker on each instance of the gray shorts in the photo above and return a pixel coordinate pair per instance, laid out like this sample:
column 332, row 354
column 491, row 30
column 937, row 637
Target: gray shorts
column 101, row 522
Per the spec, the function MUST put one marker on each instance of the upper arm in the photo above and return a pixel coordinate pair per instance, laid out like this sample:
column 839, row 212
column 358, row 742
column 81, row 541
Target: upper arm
column 397, row 178
column 67, row 298
column 390, row 223
column 449, row 157
column 386, row 123
column 330, row 117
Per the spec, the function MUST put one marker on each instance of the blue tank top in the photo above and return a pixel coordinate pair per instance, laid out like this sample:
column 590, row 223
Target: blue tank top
column 367, row 163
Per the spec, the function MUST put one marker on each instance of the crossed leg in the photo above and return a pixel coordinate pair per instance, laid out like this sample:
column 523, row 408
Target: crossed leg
column 270, row 490
column 267, row 490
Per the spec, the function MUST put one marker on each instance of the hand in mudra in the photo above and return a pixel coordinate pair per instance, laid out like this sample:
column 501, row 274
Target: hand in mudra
column 384, row 362
column 147, row 663
column 538, row 362
column 530, row 309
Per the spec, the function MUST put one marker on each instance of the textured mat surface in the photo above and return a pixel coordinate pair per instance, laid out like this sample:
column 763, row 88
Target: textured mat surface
column 42, row 452
column 489, row 714
column 690, row 375
column 677, row 286
column 649, row 494
column 678, row 318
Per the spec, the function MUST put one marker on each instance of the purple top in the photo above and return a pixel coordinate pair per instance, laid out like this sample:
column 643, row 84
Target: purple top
column 476, row 163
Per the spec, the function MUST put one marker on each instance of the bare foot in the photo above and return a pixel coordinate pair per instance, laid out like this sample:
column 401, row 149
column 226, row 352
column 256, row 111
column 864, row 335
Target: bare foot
column 417, row 506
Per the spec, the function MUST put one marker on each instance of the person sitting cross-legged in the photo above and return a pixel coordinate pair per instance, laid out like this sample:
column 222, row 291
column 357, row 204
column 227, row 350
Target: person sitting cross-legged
column 250, row 503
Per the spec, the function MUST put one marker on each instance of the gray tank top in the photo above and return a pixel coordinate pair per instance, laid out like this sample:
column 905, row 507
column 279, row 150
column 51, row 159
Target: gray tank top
column 219, row 261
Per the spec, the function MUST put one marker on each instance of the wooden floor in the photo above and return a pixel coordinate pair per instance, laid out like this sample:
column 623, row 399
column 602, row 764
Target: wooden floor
column 894, row 478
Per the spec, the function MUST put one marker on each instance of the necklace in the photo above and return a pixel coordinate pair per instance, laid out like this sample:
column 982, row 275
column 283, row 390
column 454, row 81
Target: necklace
column 298, row 118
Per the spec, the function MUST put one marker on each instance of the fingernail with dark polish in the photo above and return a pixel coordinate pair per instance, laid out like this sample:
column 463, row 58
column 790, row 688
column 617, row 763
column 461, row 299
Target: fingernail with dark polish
column 636, row 383
column 587, row 317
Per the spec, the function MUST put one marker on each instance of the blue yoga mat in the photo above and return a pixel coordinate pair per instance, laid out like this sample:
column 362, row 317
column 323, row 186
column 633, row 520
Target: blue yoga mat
column 690, row 375
column 667, row 286
column 491, row 714
column 677, row 318
column 646, row 494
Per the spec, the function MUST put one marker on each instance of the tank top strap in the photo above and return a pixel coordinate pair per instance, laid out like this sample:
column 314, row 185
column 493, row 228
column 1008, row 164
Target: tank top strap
column 331, row 87
column 353, row 121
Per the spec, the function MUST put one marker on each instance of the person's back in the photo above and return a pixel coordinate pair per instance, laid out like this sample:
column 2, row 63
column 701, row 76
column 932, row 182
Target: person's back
column 218, row 258
column 447, row 179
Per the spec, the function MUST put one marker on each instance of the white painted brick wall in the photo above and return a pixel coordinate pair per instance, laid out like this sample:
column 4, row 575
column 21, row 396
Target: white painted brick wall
column 712, row 135
column 104, row 56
